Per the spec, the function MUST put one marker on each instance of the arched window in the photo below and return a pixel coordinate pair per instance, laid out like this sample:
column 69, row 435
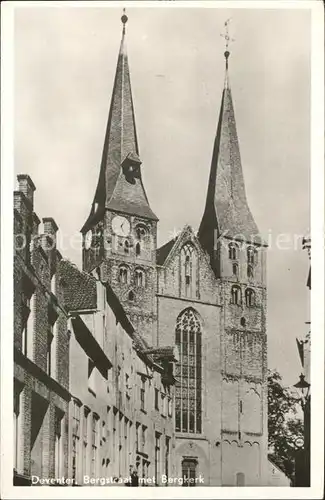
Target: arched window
column 235, row 269
column 250, row 271
column 131, row 296
column 126, row 247
column 233, row 251
column 249, row 297
column 141, row 232
column 123, row 275
column 188, row 270
column 137, row 249
column 251, row 255
column 189, row 373
column 139, row 278
column 236, row 295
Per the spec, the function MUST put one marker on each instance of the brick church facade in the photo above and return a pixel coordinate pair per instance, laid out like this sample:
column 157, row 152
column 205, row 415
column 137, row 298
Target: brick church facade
column 204, row 292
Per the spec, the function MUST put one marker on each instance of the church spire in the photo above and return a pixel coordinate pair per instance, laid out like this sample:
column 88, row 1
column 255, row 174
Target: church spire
column 120, row 185
column 226, row 210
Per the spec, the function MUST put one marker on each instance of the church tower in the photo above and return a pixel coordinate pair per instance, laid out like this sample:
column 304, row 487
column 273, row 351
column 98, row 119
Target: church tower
column 120, row 234
column 231, row 239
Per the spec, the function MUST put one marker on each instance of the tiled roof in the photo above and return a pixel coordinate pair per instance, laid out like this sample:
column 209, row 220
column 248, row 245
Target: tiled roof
column 79, row 288
column 163, row 252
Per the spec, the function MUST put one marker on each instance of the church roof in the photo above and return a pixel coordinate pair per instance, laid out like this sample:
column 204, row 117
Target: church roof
column 226, row 207
column 163, row 252
column 114, row 190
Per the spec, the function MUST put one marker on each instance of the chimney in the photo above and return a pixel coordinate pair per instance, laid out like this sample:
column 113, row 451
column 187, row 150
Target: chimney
column 26, row 186
column 50, row 226
column 49, row 236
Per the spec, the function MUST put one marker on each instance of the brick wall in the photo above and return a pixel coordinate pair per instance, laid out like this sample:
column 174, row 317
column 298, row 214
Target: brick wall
column 34, row 266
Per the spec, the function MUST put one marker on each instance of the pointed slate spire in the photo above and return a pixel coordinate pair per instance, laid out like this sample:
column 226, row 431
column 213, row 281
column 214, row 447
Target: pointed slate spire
column 120, row 184
column 226, row 209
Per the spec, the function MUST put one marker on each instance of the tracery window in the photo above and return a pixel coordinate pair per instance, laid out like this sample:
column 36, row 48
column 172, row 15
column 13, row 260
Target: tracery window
column 189, row 373
column 123, row 275
column 235, row 295
column 188, row 270
column 233, row 251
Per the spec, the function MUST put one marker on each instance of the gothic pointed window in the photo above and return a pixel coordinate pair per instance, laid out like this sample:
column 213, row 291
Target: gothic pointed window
column 139, row 278
column 233, row 251
column 188, row 271
column 249, row 297
column 236, row 295
column 123, row 275
column 189, row 373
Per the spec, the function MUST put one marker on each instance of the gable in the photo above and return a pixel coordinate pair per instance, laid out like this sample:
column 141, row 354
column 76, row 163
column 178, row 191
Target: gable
column 170, row 257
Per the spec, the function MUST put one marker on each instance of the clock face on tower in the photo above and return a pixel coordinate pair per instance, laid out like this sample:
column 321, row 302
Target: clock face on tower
column 121, row 226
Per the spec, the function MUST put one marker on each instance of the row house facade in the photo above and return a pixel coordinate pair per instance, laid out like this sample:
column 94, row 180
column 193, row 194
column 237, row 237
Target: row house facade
column 121, row 416
column 41, row 346
column 92, row 400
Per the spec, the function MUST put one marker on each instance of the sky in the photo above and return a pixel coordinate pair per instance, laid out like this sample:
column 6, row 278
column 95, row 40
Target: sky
column 64, row 62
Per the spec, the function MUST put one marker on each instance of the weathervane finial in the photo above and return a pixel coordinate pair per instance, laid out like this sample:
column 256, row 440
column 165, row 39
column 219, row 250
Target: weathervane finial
column 227, row 38
column 124, row 20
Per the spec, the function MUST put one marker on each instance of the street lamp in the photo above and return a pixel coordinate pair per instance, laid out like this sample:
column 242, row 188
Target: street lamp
column 302, row 462
column 304, row 388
